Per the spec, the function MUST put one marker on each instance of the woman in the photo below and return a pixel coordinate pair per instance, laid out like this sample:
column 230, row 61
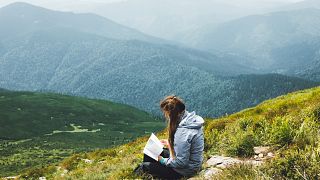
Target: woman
column 185, row 143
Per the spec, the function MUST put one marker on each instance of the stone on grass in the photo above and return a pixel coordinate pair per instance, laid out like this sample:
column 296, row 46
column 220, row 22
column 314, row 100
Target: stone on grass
column 254, row 162
column 222, row 161
column 270, row 154
column 88, row 161
column 260, row 155
column 261, row 149
column 209, row 173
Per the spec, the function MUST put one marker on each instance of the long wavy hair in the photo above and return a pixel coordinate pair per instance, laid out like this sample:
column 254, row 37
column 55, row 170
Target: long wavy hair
column 173, row 108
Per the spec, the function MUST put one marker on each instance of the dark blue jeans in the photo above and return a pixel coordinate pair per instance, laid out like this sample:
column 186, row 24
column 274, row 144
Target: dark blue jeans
column 157, row 170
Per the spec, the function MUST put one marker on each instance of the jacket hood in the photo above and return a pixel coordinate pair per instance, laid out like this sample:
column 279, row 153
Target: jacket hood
column 191, row 121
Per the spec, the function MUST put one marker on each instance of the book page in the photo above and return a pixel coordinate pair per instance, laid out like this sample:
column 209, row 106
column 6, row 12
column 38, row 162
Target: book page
column 153, row 147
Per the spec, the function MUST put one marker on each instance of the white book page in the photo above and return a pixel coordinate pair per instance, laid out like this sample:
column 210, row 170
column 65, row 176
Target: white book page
column 153, row 147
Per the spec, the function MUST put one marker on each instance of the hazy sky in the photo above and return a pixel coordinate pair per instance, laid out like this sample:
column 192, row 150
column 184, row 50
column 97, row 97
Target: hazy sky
column 81, row 5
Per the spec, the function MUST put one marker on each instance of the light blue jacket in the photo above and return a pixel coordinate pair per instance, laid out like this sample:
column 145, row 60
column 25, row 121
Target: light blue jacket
column 188, row 145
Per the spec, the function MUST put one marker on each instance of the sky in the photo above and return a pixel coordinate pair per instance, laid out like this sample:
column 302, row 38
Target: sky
column 81, row 5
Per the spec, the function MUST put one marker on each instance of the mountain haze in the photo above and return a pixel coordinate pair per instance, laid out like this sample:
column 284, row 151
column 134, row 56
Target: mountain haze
column 284, row 42
column 302, row 5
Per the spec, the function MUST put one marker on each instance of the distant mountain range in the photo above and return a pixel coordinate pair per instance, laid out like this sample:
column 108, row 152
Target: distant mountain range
column 77, row 61
column 19, row 18
column 285, row 42
column 169, row 19
column 302, row 5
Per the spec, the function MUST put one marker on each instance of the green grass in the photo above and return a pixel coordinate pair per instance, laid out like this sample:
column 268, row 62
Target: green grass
column 290, row 124
column 27, row 118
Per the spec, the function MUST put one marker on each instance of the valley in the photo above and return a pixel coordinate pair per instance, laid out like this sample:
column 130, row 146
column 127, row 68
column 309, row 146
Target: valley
column 41, row 128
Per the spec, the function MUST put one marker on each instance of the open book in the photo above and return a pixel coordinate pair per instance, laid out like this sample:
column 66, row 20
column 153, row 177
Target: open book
column 153, row 147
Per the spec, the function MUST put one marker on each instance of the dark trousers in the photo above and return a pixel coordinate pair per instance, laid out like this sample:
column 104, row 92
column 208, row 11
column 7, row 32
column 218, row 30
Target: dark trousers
column 157, row 170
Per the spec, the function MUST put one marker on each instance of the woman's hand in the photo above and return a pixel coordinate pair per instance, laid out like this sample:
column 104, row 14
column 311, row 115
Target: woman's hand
column 161, row 160
column 164, row 142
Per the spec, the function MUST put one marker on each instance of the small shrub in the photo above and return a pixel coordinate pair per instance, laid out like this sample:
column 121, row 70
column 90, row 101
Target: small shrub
column 217, row 124
column 245, row 123
column 281, row 132
column 211, row 141
column 307, row 133
column 295, row 163
column 316, row 114
column 242, row 146
column 103, row 153
column 72, row 162
column 241, row 172
column 36, row 173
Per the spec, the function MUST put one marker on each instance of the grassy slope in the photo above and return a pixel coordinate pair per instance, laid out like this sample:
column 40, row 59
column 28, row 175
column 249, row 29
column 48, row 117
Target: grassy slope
column 290, row 124
column 33, row 115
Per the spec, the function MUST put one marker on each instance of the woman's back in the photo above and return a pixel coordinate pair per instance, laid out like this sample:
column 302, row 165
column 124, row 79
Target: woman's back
column 188, row 145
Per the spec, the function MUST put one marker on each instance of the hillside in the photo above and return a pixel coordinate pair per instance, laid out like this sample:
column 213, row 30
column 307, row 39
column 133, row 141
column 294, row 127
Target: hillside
column 37, row 128
column 132, row 72
column 289, row 124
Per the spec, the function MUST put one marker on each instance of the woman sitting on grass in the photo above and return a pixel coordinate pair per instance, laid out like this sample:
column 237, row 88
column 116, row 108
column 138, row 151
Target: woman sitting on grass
column 184, row 155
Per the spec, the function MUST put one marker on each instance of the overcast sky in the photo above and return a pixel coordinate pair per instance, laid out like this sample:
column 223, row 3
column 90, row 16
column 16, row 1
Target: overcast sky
column 81, row 5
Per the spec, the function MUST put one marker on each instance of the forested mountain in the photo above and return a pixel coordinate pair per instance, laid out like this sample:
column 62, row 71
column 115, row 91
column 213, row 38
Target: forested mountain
column 284, row 42
column 133, row 72
column 71, row 61
column 19, row 18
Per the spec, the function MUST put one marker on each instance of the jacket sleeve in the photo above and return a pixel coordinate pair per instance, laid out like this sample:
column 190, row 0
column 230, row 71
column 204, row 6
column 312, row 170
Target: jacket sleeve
column 182, row 147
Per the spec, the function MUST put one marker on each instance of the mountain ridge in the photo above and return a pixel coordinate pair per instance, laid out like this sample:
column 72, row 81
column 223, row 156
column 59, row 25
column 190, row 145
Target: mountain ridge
column 262, row 37
column 35, row 17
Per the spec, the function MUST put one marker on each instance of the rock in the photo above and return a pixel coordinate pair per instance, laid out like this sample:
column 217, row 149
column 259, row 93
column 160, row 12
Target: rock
column 11, row 177
column 260, row 155
column 88, row 161
column 211, row 172
column 256, row 157
column 215, row 160
column 42, row 178
column 261, row 149
column 221, row 166
column 270, row 154
column 222, row 161
column 254, row 162
column 65, row 171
